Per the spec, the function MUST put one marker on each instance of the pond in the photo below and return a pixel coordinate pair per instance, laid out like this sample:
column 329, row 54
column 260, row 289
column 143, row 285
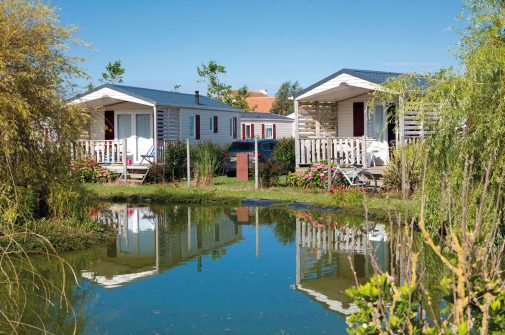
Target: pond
column 209, row 270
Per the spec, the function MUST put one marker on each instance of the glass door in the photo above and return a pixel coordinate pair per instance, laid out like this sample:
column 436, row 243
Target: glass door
column 143, row 134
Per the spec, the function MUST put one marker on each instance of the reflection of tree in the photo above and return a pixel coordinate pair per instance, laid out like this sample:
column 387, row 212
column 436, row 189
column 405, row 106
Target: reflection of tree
column 50, row 300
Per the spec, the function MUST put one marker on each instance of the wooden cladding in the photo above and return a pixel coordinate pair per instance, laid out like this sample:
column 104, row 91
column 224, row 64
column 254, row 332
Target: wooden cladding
column 317, row 119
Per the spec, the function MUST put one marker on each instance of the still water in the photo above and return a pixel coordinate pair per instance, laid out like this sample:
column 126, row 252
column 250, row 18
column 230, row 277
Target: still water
column 207, row 270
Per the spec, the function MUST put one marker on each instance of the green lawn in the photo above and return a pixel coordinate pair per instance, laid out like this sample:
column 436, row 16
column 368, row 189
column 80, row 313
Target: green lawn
column 231, row 192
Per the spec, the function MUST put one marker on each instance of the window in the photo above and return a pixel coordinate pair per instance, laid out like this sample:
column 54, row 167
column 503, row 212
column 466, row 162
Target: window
column 269, row 131
column 249, row 131
column 234, row 127
column 211, row 122
column 124, row 125
column 142, row 125
column 375, row 124
column 191, row 126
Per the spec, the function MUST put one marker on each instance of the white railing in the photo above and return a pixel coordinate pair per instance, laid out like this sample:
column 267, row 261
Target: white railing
column 103, row 152
column 346, row 150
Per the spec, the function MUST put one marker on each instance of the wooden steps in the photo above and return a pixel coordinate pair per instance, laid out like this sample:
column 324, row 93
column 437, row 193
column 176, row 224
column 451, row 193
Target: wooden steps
column 136, row 174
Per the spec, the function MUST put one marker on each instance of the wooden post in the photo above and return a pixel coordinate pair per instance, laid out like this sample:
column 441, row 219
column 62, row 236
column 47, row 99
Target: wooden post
column 297, row 136
column 124, row 157
column 329, row 163
column 256, row 159
column 402, row 148
column 155, row 135
column 188, row 159
column 364, row 157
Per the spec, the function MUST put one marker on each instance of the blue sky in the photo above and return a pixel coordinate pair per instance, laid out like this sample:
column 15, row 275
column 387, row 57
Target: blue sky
column 261, row 43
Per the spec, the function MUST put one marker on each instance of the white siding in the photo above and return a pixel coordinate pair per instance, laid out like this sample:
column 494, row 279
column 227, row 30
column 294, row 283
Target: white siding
column 223, row 135
column 282, row 128
column 345, row 115
column 97, row 126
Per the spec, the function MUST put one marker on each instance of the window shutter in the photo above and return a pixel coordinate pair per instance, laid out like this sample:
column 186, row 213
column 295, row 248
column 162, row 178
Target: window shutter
column 243, row 131
column 215, row 124
column 235, row 127
column 263, row 130
column 274, row 131
column 252, row 130
column 197, row 121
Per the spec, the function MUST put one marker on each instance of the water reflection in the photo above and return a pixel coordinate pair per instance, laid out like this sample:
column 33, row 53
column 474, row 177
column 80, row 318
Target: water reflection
column 324, row 255
column 236, row 266
column 152, row 241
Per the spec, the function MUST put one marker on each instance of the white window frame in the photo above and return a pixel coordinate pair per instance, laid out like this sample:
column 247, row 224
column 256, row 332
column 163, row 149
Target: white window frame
column 383, row 131
column 269, row 126
column 192, row 128
column 211, row 127
column 251, row 136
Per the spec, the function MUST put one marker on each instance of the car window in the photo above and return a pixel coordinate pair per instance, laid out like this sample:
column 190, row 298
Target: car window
column 267, row 146
column 241, row 146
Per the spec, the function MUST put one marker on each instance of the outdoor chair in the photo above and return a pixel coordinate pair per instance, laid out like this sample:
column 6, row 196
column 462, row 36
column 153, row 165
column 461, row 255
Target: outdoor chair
column 149, row 156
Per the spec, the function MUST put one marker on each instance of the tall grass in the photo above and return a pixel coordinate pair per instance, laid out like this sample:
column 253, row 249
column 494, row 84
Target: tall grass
column 207, row 161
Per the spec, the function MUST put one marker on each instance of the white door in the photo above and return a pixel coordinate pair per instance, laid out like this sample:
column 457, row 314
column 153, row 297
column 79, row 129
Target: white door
column 144, row 139
column 125, row 131
column 136, row 128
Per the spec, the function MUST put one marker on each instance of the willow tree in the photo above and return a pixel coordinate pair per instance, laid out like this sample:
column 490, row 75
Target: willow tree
column 462, row 194
column 37, row 127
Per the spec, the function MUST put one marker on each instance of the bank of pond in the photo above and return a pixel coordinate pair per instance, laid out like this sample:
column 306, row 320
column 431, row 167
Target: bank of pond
column 214, row 270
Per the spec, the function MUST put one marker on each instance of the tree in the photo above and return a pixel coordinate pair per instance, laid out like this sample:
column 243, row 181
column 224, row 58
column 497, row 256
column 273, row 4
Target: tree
column 218, row 90
column 114, row 73
column 282, row 104
column 38, row 128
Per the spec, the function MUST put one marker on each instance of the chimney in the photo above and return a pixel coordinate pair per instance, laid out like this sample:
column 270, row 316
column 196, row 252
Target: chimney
column 197, row 97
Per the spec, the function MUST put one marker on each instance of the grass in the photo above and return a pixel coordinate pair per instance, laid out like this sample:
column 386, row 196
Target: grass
column 229, row 191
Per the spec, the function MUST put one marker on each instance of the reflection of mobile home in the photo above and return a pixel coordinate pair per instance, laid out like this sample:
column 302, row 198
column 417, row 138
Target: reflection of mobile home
column 146, row 245
column 324, row 257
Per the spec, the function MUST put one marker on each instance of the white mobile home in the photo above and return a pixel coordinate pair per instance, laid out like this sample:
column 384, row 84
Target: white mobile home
column 335, row 110
column 265, row 126
column 143, row 119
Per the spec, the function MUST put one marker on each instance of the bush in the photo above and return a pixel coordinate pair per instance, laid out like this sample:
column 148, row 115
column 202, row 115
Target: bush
column 269, row 173
column 157, row 174
column 347, row 197
column 175, row 160
column 206, row 161
column 284, row 154
column 315, row 176
column 392, row 177
column 86, row 170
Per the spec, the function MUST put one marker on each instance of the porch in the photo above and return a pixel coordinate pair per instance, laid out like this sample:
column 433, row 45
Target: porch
column 334, row 121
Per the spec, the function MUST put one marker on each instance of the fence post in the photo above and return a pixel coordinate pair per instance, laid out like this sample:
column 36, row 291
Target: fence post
column 125, row 169
column 329, row 163
column 256, row 174
column 188, row 159
column 364, row 157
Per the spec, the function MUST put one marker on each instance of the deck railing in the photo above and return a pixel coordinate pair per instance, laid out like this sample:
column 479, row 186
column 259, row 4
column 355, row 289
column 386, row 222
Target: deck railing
column 103, row 152
column 347, row 150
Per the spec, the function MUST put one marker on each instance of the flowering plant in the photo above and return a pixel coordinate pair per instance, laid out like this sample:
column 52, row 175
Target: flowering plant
column 315, row 176
column 86, row 170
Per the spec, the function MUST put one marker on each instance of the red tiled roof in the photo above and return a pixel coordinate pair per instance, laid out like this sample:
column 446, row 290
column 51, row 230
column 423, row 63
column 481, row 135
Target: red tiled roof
column 263, row 104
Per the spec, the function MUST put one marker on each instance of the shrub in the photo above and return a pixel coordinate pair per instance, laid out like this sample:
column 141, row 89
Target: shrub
column 392, row 177
column 347, row 197
column 315, row 176
column 157, row 174
column 207, row 161
column 175, row 160
column 284, row 154
column 269, row 173
column 86, row 170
